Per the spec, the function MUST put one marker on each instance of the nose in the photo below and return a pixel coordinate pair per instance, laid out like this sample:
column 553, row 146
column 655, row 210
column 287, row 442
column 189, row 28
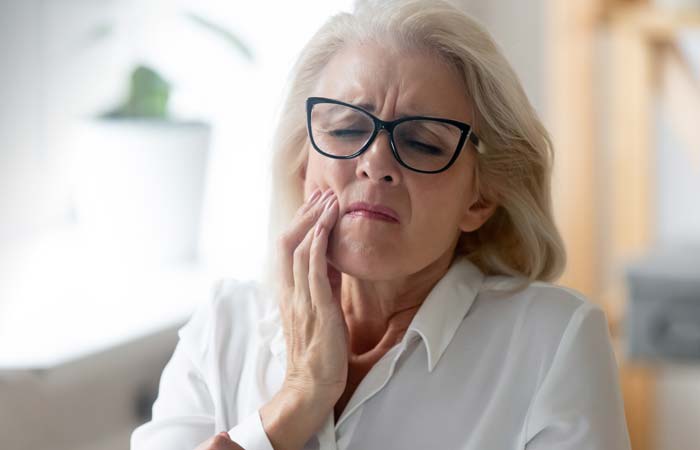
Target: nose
column 377, row 163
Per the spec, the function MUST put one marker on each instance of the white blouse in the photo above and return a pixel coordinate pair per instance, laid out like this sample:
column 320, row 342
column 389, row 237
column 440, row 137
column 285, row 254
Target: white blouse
column 479, row 368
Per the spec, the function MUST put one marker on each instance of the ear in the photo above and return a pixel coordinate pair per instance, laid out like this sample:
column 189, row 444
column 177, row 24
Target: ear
column 476, row 214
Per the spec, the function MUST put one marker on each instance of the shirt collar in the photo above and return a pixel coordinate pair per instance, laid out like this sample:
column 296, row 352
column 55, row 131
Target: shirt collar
column 445, row 307
column 436, row 321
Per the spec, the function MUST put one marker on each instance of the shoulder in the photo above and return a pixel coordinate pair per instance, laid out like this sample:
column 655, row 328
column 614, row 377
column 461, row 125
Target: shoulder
column 540, row 316
column 540, row 301
column 238, row 301
column 575, row 314
column 568, row 350
column 564, row 304
column 228, row 315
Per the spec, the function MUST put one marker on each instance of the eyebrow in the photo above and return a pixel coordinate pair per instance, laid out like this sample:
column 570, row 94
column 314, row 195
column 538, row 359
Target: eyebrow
column 370, row 107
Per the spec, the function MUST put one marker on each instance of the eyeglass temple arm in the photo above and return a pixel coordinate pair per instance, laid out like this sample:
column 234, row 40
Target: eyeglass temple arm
column 471, row 136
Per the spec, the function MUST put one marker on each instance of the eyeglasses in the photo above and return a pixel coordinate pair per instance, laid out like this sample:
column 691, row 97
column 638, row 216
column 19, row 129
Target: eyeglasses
column 422, row 144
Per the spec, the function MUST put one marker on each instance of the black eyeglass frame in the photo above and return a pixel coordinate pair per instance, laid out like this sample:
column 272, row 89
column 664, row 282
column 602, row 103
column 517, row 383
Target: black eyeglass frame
column 379, row 124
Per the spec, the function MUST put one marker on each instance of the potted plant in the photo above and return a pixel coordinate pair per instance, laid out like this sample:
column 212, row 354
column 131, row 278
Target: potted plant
column 139, row 172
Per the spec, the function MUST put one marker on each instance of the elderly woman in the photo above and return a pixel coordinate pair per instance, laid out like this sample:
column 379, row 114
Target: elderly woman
column 411, row 303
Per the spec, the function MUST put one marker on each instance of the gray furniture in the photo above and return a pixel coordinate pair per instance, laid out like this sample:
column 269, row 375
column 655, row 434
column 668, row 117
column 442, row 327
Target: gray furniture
column 663, row 317
column 90, row 403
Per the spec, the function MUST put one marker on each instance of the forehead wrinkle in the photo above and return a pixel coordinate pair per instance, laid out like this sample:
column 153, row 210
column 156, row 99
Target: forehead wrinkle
column 356, row 94
column 370, row 86
column 364, row 98
column 409, row 108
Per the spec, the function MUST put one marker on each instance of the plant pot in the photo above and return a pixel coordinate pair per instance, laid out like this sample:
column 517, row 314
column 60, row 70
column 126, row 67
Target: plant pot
column 138, row 187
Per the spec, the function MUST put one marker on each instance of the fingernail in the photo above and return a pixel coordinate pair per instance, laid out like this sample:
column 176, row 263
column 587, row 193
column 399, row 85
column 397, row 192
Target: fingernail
column 314, row 195
column 329, row 204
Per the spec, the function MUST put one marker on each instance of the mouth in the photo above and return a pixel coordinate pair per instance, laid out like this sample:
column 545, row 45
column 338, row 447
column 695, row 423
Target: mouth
column 374, row 212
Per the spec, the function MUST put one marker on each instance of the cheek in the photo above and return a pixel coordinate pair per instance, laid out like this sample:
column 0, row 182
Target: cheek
column 322, row 172
column 438, row 207
column 313, row 174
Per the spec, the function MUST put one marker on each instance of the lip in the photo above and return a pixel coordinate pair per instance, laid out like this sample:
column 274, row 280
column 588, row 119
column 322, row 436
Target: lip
column 369, row 211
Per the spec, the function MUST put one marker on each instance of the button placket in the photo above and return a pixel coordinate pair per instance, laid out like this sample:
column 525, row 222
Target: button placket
column 374, row 381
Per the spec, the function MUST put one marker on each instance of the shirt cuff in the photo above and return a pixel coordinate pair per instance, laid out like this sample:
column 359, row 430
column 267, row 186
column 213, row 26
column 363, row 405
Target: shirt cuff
column 250, row 434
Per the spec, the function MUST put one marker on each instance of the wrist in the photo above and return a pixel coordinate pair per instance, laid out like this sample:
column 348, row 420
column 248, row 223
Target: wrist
column 293, row 416
column 311, row 396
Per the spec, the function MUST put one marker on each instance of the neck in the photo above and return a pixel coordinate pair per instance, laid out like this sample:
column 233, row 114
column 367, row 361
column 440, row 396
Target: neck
column 378, row 313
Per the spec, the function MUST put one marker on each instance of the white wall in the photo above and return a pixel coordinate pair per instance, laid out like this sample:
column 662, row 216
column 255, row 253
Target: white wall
column 519, row 27
column 21, row 118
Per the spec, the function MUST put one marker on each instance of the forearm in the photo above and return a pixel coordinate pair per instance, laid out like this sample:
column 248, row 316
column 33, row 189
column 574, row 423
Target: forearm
column 291, row 418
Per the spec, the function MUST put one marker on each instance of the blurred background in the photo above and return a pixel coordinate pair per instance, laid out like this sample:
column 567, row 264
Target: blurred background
column 134, row 151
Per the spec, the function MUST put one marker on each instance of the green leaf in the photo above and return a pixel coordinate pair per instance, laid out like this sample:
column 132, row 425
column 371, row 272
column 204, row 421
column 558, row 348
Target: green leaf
column 148, row 96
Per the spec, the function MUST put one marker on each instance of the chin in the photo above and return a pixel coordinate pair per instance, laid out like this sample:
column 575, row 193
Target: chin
column 365, row 260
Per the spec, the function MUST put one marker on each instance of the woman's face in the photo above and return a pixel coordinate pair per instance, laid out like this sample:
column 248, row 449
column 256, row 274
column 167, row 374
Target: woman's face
column 430, row 209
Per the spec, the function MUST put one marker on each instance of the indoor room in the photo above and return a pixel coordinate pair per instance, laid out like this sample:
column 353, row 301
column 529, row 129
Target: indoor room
column 139, row 167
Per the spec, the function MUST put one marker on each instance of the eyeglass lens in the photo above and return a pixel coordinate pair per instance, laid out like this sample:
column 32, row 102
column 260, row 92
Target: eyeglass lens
column 421, row 144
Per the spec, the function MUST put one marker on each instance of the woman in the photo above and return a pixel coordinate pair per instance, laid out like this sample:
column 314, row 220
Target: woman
column 410, row 303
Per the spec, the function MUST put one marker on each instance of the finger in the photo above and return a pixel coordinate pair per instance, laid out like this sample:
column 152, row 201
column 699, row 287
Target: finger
column 301, row 264
column 289, row 241
column 310, row 201
column 319, row 284
column 304, row 218
column 303, row 252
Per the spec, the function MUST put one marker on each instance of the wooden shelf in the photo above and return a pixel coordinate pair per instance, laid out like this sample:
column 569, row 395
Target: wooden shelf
column 657, row 24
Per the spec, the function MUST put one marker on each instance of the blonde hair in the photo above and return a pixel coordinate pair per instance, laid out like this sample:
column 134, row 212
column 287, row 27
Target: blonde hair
column 513, row 168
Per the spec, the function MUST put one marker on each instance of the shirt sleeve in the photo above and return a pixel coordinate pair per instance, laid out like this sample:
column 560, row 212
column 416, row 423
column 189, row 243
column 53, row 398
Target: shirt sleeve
column 250, row 434
column 579, row 403
column 184, row 414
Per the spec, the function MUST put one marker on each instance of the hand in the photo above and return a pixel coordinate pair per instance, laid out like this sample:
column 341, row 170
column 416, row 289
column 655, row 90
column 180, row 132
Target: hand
column 314, row 328
column 313, row 321
column 221, row 441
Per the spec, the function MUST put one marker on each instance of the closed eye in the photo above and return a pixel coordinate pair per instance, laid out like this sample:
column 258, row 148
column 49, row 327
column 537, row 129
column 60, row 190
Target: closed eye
column 426, row 148
column 347, row 132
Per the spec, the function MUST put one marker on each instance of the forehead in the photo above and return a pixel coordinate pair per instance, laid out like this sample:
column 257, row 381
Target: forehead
column 397, row 82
